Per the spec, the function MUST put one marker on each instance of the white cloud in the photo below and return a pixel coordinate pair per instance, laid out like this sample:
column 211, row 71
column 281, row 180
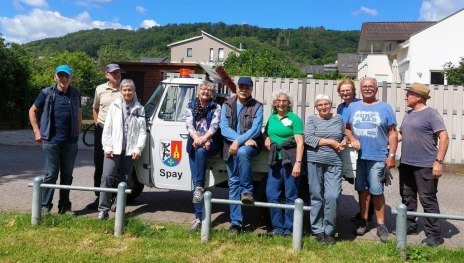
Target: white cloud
column 39, row 24
column 367, row 11
column 36, row 3
column 140, row 9
column 434, row 10
column 92, row 3
column 148, row 23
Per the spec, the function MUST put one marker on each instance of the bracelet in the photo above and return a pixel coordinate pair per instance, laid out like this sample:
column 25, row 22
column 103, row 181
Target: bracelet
column 298, row 161
column 439, row 161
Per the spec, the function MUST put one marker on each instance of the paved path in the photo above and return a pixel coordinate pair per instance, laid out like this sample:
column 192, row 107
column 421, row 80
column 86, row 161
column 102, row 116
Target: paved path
column 21, row 160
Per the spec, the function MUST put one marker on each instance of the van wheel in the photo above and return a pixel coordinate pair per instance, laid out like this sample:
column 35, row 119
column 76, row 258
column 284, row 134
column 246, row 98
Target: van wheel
column 134, row 184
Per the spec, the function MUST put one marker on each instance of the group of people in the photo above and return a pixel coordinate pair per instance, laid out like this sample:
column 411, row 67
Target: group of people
column 313, row 149
column 120, row 135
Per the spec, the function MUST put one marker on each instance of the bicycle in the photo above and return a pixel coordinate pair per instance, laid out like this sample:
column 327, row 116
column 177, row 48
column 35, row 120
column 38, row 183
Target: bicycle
column 89, row 135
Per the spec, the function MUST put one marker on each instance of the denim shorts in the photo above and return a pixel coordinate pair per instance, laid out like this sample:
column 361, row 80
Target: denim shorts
column 369, row 176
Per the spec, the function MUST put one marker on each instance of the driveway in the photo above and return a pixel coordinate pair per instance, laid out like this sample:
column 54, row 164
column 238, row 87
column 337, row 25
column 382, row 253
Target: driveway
column 21, row 160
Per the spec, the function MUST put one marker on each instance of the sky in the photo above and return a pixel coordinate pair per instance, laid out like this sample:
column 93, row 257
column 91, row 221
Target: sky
column 22, row 21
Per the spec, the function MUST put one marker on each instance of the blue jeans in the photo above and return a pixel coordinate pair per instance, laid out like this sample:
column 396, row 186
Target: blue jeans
column 278, row 176
column 369, row 176
column 59, row 158
column 325, row 187
column 198, row 158
column 240, row 179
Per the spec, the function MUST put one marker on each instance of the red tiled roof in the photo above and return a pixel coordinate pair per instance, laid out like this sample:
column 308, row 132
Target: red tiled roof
column 391, row 31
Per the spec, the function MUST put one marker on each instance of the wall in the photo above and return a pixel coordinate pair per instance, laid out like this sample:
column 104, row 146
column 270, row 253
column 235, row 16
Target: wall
column 376, row 65
column 200, row 50
column 431, row 48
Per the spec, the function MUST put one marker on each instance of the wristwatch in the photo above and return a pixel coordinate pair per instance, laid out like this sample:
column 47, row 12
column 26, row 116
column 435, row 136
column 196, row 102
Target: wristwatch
column 439, row 161
column 298, row 161
column 392, row 155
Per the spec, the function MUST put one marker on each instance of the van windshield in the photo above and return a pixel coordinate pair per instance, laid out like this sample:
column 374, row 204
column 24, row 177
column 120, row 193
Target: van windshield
column 175, row 102
column 154, row 101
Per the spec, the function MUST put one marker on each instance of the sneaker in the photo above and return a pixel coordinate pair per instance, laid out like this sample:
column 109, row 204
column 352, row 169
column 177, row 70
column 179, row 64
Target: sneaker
column 45, row 211
column 432, row 241
column 93, row 205
column 198, row 195
column 247, row 198
column 329, row 239
column 195, row 225
column 382, row 232
column 362, row 227
column 234, row 230
column 66, row 211
column 113, row 207
column 102, row 215
column 320, row 237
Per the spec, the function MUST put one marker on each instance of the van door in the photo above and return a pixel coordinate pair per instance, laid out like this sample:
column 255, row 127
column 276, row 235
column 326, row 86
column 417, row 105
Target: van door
column 169, row 133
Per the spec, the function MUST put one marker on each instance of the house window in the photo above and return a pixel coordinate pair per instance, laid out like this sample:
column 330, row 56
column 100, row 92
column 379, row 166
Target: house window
column 211, row 54
column 221, row 54
column 437, row 78
column 189, row 52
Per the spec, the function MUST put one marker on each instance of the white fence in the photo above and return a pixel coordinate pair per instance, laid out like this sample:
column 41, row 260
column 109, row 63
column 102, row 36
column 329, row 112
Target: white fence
column 448, row 100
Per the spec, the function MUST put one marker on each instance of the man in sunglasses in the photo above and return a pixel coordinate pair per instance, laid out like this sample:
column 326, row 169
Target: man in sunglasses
column 56, row 120
column 105, row 94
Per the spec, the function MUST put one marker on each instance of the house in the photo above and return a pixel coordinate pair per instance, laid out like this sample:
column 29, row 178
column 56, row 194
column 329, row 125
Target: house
column 148, row 75
column 406, row 52
column 422, row 57
column 347, row 64
column 205, row 49
column 377, row 41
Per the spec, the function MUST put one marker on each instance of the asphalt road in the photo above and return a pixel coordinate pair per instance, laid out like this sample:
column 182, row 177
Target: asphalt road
column 21, row 160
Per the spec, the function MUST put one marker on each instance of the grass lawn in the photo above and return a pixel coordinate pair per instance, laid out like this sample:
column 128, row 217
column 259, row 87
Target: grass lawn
column 65, row 238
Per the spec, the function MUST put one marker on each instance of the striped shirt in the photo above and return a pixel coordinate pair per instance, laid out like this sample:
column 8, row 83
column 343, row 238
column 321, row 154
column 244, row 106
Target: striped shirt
column 317, row 128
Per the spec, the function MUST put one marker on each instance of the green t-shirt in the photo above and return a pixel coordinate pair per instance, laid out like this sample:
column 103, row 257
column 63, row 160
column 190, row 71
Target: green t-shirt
column 281, row 130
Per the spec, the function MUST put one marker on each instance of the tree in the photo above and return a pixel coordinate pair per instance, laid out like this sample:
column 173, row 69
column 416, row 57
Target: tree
column 111, row 53
column 86, row 75
column 455, row 74
column 262, row 63
column 14, row 82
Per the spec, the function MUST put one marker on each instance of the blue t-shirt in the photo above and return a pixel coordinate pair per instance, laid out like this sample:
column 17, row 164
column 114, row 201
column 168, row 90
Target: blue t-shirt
column 343, row 107
column 60, row 117
column 369, row 124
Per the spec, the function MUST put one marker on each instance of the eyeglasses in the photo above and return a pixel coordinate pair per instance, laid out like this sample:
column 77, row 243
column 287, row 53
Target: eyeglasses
column 323, row 105
column 281, row 101
column 63, row 75
column 245, row 87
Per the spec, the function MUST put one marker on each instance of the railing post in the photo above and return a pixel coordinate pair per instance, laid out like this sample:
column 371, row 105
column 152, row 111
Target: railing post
column 36, row 201
column 298, row 224
column 206, row 220
column 401, row 229
column 120, row 209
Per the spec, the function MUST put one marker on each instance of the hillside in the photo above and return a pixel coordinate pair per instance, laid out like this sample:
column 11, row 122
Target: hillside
column 302, row 45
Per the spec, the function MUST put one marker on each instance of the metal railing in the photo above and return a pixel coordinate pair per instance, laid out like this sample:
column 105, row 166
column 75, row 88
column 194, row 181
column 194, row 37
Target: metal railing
column 297, row 216
column 402, row 214
column 121, row 193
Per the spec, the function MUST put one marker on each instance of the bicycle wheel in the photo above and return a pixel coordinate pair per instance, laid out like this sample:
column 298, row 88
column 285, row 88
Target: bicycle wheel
column 89, row 136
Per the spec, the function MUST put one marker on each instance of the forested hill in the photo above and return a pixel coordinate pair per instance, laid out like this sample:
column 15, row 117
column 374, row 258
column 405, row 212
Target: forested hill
column 314, row 45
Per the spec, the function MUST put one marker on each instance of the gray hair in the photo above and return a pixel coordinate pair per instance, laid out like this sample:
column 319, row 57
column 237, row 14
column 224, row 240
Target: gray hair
column 207, row 84
column 373, row 80
column 277, row 93
column 128, row 83
column 322, row 97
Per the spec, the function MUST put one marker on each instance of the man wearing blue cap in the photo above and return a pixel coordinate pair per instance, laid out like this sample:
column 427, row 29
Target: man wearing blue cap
column 241, row 121
column 57, row 129
column 105, row 94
